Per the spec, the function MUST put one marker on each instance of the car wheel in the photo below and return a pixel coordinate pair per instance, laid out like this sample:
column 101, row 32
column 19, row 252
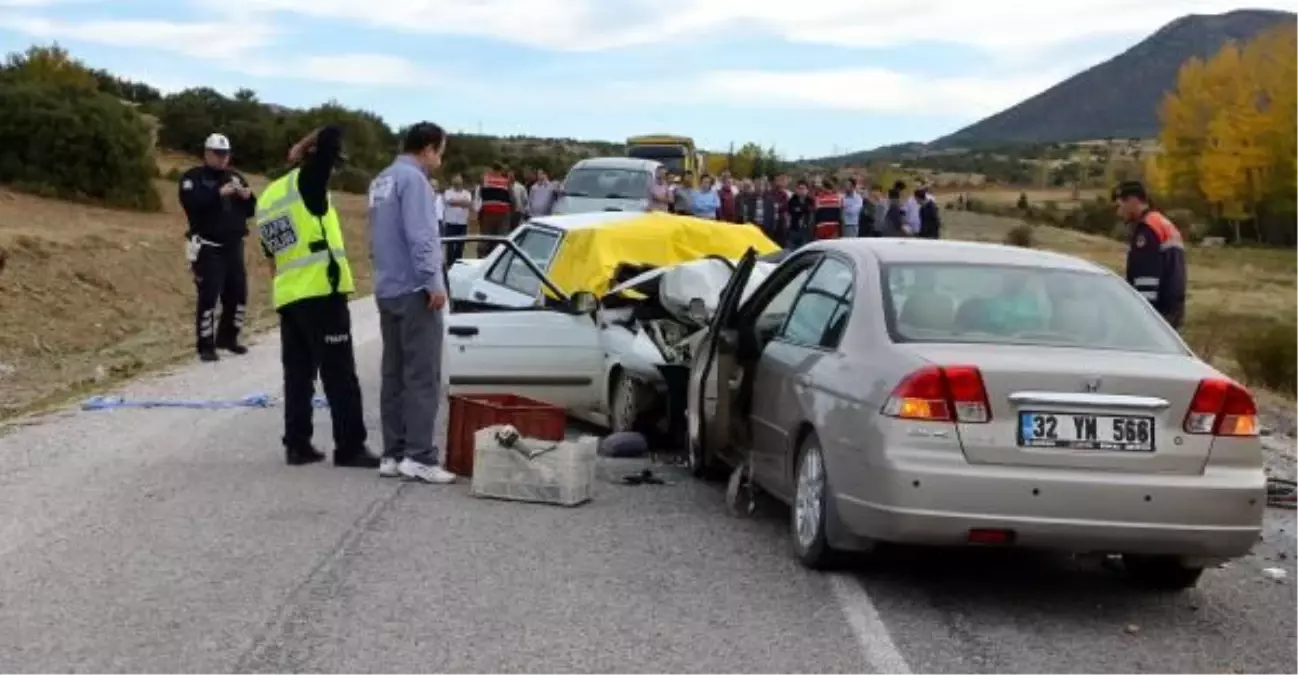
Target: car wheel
column 811, row 508
column 624, row 403
column 1164, row 573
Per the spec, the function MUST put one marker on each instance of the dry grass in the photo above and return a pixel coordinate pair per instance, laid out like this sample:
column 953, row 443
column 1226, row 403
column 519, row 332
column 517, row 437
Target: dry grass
column 1064, row 198
column 1232, row 291
column 89, row 294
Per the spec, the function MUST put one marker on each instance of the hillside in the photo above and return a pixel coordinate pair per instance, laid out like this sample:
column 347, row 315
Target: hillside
column 1120, row 97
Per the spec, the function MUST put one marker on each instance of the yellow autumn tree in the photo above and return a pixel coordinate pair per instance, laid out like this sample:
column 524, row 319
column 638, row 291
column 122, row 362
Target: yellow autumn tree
column 1228, row 137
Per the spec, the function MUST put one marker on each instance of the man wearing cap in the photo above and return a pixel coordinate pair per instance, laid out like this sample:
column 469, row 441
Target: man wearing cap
column 218, row 204
column 302, row 238
column 1155, row 253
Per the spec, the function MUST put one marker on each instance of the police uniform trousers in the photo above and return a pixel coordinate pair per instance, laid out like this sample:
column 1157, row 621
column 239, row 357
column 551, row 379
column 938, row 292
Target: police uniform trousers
column 220, row 277
column 316, row 339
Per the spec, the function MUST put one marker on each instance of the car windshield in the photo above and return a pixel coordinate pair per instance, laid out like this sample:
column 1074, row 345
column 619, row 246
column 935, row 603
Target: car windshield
column 992, row 304
column 607, row 183
column 671, row 156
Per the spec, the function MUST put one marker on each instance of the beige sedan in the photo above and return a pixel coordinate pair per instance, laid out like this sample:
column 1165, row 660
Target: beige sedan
column 952, row 393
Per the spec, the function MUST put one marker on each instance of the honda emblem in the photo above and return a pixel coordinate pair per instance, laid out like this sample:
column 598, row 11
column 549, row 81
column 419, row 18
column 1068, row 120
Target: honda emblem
column 1091, row 385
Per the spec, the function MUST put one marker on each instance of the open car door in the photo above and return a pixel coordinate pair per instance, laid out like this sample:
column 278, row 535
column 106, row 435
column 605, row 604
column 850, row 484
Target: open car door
column 712, row 376
column 550, row 351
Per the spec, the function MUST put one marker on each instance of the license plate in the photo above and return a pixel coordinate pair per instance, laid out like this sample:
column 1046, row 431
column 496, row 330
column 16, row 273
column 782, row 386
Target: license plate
column 1086, row 432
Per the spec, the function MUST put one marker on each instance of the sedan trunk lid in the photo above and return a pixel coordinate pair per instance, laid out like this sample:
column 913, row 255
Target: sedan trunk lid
column 1072, row 408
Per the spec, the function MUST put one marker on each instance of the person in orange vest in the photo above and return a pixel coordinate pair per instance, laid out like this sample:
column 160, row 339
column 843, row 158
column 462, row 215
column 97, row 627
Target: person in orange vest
column 495, row 206
column 828, row 211
column 1155, row 254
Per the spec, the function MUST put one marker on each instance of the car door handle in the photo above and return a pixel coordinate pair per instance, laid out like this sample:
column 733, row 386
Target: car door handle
column 479, row 295
column 463, row 331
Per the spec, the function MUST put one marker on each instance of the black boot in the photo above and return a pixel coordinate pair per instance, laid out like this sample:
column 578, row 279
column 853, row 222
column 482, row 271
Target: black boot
column 208, row 355
column 233, row 348
column 302, row 456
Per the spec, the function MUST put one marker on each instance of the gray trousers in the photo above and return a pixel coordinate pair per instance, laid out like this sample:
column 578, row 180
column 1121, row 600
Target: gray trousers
column 412, row 362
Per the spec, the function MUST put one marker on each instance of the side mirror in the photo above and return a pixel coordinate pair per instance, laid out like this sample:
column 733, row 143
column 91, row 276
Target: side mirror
column 583, row 302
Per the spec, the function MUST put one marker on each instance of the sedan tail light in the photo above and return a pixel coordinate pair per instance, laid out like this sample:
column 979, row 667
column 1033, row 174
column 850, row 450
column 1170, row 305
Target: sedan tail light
column 1221, row 408
column 941, row 394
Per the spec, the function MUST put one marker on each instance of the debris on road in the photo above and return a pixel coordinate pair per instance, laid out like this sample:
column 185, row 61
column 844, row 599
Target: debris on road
column 1280, row 493
column 255, row 400
column 1275, row 574
column 624, row 445
column 1131, row 629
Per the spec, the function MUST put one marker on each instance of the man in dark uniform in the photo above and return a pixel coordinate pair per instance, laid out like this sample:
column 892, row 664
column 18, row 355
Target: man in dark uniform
column 302, row 237
column 1155, row 254
column 218, row 204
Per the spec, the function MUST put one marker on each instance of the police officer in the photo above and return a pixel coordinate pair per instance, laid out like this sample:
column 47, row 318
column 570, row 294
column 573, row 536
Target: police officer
column 301, row 235
column 1155, row 254
column 827, row 211
column 495, row 206
column 218, row 204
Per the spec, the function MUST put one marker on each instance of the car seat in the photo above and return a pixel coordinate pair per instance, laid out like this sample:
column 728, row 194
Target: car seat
column 928, row 310
column 973, row 316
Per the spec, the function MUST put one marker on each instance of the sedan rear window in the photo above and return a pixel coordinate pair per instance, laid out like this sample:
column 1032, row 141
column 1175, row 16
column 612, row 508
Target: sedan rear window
column 944, row 302
column 607, row 183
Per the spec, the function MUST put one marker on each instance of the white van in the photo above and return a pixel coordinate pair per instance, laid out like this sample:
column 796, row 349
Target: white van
column 606, row 184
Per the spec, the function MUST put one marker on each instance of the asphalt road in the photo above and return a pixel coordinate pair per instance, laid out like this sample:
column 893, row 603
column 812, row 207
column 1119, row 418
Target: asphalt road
column 177, row 540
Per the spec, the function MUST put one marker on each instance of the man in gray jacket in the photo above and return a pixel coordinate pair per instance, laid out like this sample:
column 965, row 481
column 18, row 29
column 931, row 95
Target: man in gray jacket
column 411, row 291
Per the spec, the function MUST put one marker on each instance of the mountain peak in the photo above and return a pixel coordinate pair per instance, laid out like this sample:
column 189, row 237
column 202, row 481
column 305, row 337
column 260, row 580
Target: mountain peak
column 1120, row 97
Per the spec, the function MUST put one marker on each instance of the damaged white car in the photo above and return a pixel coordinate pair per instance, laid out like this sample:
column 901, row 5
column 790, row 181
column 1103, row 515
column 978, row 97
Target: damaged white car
column 615, row 361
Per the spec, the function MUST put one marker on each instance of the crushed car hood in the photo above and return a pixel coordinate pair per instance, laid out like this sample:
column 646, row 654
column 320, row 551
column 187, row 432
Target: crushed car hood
column 675, row 287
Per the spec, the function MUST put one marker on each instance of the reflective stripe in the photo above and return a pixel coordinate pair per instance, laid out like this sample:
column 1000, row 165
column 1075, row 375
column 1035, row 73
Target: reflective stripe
column 1166, row 232
column 1150, row 295
column 308, row 260
column 286, row 201
column 1145, row 281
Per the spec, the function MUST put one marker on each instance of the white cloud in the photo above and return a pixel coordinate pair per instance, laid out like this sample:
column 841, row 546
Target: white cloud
column 207, row 40
column 363, row 69
column 594, row 25
column 238, row 47
column 873, row 90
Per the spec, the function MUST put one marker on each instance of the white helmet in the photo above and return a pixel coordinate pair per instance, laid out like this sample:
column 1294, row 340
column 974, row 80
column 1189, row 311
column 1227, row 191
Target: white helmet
column 217, row 142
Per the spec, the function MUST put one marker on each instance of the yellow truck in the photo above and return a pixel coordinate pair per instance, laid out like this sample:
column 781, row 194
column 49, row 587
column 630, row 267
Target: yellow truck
column 677, row 153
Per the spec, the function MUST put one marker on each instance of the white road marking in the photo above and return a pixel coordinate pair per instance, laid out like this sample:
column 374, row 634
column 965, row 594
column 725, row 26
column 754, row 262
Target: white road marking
column 871, row 634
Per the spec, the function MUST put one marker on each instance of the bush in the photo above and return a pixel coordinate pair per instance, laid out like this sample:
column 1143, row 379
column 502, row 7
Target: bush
column 174, row 174
column 1021, row 235
column 1023, row 204
column 351, row 179
column 75, row 143
column 1095, row 217
column 1269, row 357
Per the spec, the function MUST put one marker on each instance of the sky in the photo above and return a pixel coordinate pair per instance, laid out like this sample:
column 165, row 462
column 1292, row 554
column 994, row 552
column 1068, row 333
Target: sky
column 809, row 78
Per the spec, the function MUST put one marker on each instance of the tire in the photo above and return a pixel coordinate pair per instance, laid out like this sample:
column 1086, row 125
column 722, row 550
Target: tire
column 1162, row 573
column 624, row 403
column 811, row 513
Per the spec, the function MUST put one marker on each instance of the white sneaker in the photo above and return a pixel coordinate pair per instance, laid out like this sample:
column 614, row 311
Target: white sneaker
column 423, row 472
column 389, row 467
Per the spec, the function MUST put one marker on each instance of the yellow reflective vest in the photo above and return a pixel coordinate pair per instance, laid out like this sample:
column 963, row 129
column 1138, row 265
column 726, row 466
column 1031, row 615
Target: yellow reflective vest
column 305, row 247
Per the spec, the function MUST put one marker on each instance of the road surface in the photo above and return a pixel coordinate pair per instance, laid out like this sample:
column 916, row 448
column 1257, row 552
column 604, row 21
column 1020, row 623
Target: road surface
column 177, row 540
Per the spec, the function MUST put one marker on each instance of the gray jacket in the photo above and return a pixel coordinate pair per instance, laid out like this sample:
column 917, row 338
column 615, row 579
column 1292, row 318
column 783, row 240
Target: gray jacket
column 404, row 239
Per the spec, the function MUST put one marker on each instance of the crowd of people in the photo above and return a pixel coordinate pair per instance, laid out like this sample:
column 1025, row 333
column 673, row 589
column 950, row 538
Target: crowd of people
column 814, row 207
column 790, row 212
